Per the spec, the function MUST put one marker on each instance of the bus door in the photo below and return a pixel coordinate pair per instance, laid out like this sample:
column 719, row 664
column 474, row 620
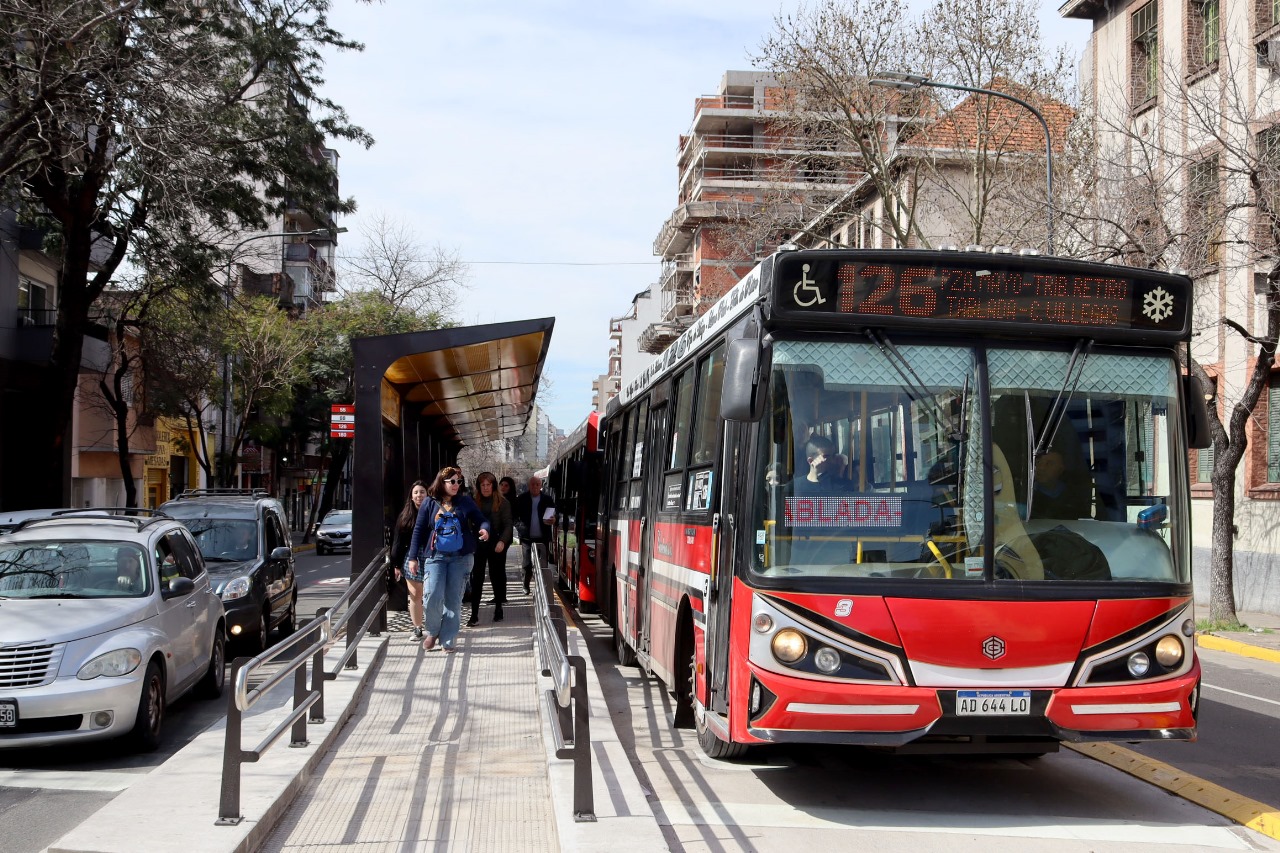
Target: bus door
column 734, row 511
column 649, row 467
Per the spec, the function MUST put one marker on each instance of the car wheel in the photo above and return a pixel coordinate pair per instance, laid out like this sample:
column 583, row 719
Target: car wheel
column 150, row 719
column 320, row 552
column 290, row 622
column 210, row 687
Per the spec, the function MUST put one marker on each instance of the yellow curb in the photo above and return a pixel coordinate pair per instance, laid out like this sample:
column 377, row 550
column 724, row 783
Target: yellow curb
column 1222, row 644
column 1215, row 798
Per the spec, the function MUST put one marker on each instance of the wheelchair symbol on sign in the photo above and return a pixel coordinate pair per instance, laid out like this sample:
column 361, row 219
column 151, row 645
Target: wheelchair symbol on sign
column 809, row 286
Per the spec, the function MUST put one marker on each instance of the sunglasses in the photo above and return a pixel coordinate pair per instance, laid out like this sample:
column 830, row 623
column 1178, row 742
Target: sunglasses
column 453, row 481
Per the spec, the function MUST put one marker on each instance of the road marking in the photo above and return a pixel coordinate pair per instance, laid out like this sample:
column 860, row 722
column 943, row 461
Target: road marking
column 1215, row 798
column 1244, row 695
column 69, row 780
column 335, row 581
column 968, row 824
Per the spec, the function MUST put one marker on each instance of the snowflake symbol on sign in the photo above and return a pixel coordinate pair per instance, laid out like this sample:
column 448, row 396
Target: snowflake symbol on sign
column 1158, row 304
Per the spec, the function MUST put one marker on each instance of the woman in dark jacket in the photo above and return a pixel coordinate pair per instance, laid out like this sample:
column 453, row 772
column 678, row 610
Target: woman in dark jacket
column 443, row 574
column 400, row 549
column 491, row 554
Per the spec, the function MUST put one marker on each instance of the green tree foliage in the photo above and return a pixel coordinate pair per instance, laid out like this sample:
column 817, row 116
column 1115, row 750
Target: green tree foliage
column 129, row 123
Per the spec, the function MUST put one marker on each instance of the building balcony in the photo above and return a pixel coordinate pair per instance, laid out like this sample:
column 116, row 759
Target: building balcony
column 676, row 288
column 658, row 336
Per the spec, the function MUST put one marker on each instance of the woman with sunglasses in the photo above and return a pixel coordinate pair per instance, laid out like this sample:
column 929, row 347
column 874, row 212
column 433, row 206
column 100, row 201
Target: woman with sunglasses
column 443, row 574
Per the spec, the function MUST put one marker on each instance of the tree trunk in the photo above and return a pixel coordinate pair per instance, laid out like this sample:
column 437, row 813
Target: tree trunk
column 341, row 450
column 1222, row 601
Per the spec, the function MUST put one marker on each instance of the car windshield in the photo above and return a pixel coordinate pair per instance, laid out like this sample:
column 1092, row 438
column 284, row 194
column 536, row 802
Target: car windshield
column 225, row 540
column 872, row 465
column 338, row 518
column 74, row 569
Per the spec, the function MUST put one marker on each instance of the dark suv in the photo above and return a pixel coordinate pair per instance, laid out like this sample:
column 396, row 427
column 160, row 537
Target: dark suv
column 245, row 542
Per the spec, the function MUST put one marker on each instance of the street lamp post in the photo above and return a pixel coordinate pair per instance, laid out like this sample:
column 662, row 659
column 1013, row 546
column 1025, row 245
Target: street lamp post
column 225, row 468
column 906, row 80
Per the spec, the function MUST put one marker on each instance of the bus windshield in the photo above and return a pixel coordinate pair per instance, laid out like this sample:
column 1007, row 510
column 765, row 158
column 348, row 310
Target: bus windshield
column 873, row 465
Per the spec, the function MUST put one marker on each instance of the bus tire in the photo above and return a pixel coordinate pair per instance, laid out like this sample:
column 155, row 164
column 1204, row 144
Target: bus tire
column 683, row 678
column 708, row 740
column 626, row 654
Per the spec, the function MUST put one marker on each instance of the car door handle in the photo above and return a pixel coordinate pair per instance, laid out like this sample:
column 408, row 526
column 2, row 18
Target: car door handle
column 191, row 603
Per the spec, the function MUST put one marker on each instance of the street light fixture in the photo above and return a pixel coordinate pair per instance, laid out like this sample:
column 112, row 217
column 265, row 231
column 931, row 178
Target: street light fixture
column 906, row 80
column 226, row 468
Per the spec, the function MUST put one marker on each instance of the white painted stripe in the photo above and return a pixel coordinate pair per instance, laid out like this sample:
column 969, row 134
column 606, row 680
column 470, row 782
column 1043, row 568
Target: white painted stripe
column 931, row 675
column 1134, row 708
column 851, row 710
column 994, row 824
column 69, row 780
column 1242, row 695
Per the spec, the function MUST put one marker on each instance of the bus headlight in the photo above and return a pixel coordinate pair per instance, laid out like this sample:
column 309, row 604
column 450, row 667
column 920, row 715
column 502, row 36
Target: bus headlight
column 763, row 623
column 1169, row 651
column 789, row 645
column 827, row 660
column 1139, row 664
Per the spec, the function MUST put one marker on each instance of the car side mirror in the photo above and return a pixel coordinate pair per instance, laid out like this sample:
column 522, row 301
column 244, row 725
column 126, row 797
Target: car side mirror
column 179, row 587
column 281, row 554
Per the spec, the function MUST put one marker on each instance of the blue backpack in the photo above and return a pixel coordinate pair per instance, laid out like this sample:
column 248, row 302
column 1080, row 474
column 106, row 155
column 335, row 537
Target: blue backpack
column 447, row 534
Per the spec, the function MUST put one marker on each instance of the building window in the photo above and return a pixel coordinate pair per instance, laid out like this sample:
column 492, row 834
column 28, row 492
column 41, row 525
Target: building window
column 1206, row 20
column 1268, row 201
column 1145, row 53
column 1204, row 212
column 1273, row 429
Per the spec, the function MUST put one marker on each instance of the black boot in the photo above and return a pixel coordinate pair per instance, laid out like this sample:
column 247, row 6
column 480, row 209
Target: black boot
column 474, row 620
column 497, row 613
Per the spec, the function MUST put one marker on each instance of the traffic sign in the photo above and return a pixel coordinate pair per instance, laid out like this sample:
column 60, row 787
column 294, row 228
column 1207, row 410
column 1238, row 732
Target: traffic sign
column 342, row 421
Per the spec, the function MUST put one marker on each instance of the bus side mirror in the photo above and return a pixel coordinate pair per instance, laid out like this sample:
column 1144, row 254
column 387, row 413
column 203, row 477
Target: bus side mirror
column 1197, row 414
column 742, row 398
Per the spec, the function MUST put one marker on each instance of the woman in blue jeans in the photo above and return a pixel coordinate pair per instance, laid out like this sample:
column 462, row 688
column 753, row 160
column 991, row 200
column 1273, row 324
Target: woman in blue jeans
column 444, row 571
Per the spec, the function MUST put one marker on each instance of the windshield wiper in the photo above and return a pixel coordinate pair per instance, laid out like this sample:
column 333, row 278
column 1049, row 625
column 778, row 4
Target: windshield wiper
column 911, row 381
column 1038, row 444
column 209, row 559
column 54, row 595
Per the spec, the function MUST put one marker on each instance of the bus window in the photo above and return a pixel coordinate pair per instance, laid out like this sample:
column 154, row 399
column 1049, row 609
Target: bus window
column 706, row 434
column 1089, row 464
column 870, row 474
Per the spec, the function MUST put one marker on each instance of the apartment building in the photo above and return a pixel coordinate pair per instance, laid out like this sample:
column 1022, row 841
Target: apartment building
column 1186, row 96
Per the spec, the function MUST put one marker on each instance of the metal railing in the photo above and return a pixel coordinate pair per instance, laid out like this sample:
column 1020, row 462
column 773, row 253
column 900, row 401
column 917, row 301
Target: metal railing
column 359, row 606
column 572, row 732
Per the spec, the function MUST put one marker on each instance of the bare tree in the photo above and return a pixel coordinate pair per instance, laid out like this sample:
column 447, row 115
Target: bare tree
column 960, row 168
column 410, row 276
column 1185, row 174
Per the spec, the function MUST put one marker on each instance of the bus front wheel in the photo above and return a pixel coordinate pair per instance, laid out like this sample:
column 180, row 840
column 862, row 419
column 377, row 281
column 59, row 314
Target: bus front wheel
column 708, row 740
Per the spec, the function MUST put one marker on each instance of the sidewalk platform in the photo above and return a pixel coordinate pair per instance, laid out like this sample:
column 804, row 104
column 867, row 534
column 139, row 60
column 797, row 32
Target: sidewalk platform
column 1262, row 641
column 438, row 752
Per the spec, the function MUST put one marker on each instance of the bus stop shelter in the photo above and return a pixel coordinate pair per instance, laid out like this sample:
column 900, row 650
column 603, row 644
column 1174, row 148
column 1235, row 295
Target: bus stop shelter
column 423, row 396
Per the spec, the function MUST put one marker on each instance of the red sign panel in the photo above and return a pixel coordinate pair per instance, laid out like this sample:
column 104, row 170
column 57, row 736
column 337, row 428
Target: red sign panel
column 343, row 409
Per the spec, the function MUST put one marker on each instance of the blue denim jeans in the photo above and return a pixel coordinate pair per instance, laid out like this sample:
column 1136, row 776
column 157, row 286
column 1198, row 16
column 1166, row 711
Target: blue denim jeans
column 442, row 588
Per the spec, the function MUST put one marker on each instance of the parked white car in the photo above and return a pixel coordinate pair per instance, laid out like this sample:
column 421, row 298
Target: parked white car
column 105, row 620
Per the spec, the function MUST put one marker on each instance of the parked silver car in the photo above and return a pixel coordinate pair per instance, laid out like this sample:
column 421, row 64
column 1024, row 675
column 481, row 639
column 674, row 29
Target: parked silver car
column 334, row 532
column 105, row 620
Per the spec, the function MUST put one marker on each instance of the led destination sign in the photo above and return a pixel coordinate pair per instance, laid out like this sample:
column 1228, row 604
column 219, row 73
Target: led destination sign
column 984, row 290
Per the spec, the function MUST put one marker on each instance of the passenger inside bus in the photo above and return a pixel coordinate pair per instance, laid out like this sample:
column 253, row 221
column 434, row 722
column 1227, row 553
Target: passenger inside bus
column 823, row 474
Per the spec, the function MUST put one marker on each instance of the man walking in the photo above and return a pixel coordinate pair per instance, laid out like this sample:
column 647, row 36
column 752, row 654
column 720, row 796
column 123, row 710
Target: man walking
column 534, row 512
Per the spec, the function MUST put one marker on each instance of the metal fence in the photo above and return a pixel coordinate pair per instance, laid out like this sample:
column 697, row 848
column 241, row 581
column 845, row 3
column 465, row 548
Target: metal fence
column 572, row 732
column 351, row 615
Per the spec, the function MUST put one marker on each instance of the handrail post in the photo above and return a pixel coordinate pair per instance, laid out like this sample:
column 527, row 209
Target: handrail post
column 298, row 737
column 584, row 805
column 357, row 608
column 229, row 799
column 317, row 672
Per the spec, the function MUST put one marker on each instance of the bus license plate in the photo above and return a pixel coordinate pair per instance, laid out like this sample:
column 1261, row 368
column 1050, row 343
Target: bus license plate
column 8, row 713
column 993, row 703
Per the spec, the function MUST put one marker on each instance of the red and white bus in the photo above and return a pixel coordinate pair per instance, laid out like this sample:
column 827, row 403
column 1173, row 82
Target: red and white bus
column 574, row 480
column 929, row 501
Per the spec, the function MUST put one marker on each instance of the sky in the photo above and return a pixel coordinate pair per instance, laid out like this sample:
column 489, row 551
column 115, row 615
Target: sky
column 538, row 141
